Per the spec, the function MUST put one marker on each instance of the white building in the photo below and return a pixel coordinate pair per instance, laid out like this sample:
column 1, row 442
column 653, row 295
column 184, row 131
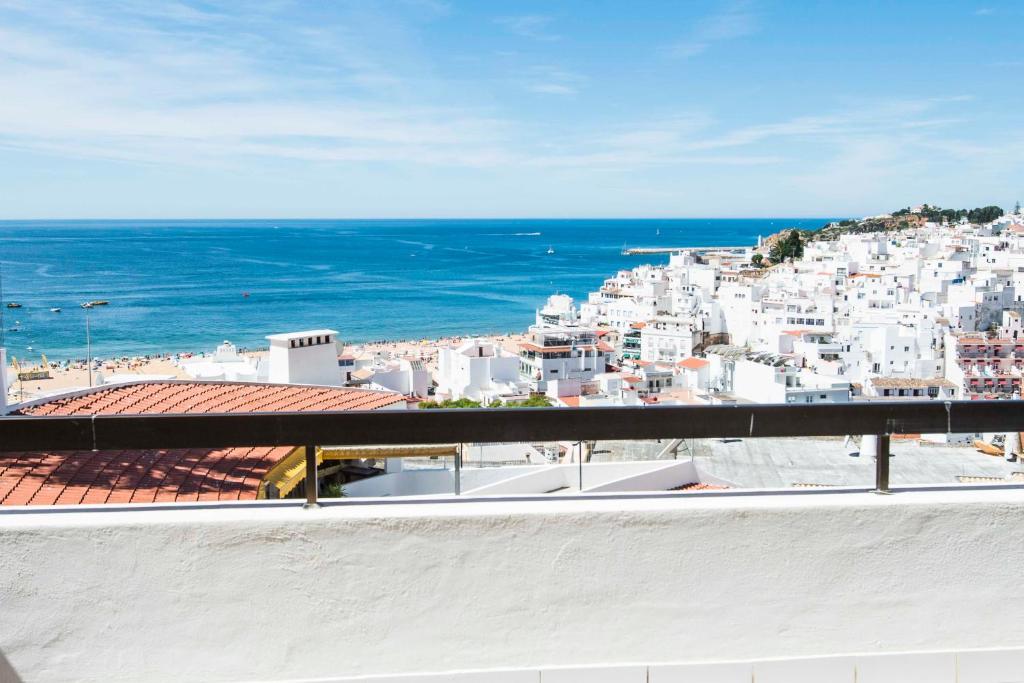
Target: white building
column 480, row 371
column 407, row 376
column 562, row 353
column 558, row 311
column 762, row 377
column 309, row 357
column 225, row 364
column 670, row 338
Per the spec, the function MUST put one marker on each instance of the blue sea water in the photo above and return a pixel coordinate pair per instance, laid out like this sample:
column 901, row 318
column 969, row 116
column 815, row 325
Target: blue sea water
column 178, row 285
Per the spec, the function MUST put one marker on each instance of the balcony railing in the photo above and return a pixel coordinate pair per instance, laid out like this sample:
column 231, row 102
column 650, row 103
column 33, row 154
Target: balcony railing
column 491, row 425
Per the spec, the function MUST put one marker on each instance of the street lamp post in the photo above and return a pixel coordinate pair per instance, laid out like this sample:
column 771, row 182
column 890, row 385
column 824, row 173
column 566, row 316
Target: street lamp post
column 88, row 342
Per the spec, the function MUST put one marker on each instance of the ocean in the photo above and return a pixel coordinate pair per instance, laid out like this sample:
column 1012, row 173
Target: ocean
column 180, row 285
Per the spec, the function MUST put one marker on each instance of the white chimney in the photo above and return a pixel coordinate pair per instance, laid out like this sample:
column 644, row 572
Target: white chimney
column 309, row 357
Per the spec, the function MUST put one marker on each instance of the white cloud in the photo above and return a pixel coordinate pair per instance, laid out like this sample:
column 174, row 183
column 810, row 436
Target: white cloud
column 734, row 21
column 552, row 80
column 86, row 85
column 533, row 26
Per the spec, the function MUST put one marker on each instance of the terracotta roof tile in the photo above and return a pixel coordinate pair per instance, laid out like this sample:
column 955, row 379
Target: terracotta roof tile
column 210, row 397
column 165, row 475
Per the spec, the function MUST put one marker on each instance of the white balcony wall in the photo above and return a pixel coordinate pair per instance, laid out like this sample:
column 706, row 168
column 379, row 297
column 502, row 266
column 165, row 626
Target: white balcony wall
column 273, row 592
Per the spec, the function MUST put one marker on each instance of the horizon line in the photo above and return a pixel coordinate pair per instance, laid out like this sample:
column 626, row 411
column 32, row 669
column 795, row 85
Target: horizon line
column 429, row 218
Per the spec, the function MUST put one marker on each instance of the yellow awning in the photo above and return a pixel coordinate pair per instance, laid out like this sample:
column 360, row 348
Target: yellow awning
column 287, row 473
column 401, row 451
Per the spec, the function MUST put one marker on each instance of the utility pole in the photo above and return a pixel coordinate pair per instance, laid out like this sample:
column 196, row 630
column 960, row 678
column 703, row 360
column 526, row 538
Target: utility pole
column 88, row 342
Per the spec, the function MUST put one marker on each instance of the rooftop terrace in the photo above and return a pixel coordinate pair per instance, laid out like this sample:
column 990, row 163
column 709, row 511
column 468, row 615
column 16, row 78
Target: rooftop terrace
column 713, row 585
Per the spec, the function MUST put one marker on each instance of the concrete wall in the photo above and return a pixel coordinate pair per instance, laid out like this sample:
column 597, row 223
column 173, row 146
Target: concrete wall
column 653, row 475
column 668, row 476
column 272, row 592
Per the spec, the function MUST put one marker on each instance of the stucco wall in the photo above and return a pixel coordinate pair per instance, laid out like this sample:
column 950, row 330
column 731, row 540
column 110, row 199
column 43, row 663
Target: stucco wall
column 276, row 592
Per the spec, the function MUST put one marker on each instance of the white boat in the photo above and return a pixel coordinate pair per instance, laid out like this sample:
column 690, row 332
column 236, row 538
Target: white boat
column 551, row 250
column 54, row 310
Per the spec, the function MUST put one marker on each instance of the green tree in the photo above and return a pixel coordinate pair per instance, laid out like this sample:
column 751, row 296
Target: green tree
column 496, row 403
column 984, row 214
column 789, row 246
column 535, row 401
column 449, row 403
column 334, row 490
column 756, row 259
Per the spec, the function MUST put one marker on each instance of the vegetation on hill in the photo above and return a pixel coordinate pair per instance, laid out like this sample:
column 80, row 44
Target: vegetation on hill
column 789, row 243
column 936, row 214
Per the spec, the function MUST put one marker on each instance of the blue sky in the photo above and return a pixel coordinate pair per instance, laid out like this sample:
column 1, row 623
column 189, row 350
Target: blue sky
column 149, row 109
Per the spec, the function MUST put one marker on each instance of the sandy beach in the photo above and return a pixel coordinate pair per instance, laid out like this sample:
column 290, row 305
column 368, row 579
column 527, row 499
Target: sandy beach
column 74, row 375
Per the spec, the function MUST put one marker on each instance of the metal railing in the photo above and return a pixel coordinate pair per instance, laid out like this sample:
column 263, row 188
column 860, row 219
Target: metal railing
column 490, row 425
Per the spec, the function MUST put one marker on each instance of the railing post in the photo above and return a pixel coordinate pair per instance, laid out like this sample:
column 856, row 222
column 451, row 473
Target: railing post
column 458, row 472
column 882, row 464
column 312, row 484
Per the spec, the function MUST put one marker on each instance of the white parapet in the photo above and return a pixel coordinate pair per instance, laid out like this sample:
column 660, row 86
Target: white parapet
column 648, row 584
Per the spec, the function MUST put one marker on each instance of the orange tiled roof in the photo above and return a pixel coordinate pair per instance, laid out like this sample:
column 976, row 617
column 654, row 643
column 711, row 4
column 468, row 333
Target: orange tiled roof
column 693, row 363
column 164, row 475
column 210, row 397
column 140, row 476
column 700, row 486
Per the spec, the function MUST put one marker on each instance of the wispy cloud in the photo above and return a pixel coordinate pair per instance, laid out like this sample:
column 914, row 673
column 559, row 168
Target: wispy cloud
column 80, row 83
column 733, row 21
column 533, row 26
column 550, row 80
column 984, row 11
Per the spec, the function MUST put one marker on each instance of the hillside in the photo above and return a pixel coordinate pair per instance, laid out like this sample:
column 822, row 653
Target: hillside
column 897, row 220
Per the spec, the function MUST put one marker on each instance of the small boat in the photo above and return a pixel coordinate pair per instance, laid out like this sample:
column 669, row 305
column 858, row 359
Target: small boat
column 29, row 348
column 13, row 304
column 245, row 295
column 99, row 303
column 551, row 250
column 87, row 304
column 55, row 309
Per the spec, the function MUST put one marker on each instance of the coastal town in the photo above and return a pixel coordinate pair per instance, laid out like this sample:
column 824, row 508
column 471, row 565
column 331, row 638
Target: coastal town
column 930, row 308
column 915, row 305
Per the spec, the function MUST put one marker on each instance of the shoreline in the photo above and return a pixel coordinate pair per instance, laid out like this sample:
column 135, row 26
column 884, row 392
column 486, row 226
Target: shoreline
column 72, row 375
column 33, row 357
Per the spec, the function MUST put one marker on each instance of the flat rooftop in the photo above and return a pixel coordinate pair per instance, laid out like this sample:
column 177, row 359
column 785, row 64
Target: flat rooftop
column 781, row 463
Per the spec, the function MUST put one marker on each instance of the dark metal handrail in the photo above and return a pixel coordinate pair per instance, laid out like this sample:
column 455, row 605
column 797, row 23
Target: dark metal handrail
column 488, row 425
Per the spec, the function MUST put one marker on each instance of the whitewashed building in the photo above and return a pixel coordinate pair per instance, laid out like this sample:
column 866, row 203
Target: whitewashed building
column 481, row 371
